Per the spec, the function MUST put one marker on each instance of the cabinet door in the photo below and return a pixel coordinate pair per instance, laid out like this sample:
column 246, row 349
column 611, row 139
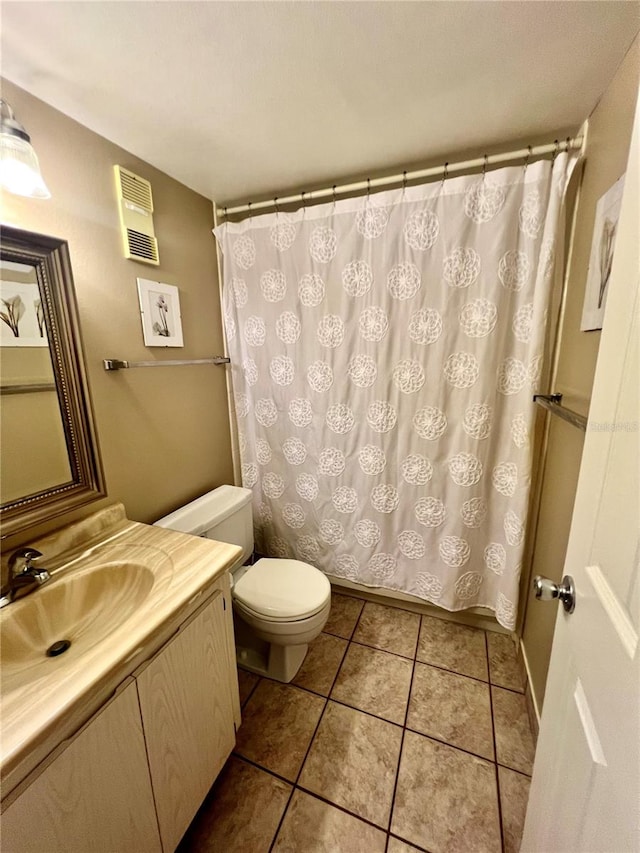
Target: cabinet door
column 186, row 701
column 95, row 794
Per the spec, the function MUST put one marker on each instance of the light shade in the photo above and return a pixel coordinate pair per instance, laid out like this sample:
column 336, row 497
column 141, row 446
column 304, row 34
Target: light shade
column 19, row 167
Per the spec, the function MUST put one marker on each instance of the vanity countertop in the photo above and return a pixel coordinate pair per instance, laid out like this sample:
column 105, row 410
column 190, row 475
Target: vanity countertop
column 44, row 699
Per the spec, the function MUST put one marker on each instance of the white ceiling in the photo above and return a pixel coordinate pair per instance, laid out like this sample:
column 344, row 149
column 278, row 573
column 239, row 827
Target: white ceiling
column 240, row 100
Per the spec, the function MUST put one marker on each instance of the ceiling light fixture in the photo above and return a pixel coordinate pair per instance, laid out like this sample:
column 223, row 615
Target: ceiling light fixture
column 19, row 167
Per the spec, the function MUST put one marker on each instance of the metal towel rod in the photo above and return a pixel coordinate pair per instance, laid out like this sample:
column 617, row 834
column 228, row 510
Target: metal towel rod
column 118, row 364
column 553, row 403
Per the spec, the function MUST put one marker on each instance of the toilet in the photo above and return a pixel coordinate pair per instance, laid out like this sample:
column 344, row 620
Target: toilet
column 280, row 606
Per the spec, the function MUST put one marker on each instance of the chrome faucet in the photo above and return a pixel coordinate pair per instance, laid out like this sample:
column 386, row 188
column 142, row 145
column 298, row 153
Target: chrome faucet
column 23, row 577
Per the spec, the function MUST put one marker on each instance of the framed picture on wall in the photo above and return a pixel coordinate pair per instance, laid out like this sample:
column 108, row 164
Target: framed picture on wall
column 21, row 315
column 603, row 243
column 160, row 311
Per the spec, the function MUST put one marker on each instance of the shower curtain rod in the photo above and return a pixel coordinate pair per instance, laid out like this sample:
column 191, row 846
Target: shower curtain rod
column 554, row 147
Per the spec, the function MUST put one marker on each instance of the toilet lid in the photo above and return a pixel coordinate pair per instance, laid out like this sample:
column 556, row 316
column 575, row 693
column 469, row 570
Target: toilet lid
column 283, row 589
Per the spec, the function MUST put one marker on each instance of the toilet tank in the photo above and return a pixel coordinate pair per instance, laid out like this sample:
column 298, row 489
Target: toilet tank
column 223, row 514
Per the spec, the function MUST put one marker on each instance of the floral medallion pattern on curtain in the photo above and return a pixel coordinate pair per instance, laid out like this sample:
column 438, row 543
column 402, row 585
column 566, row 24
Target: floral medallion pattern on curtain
column 384, row 354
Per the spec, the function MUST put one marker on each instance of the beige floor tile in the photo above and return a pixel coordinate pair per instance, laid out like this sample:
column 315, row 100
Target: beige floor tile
column 446, row 800
column 352, row 762
column 343, row 616
column 241, row 812
column 397, row 846
column 514, row 795
column 246, row 682
column 452, row 708
column 514, row 742
column 374, row 681
column 321, row 664
column 278, row 723
column 311, row 826
column 504, row 669
column 389, row 629
column 455, row 647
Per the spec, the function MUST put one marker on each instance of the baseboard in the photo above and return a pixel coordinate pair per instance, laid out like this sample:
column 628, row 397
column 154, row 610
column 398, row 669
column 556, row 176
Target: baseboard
column 476, row 617
column 532, row 705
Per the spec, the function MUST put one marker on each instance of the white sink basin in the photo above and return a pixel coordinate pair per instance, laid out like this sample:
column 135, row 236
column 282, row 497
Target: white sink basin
column 83, row 608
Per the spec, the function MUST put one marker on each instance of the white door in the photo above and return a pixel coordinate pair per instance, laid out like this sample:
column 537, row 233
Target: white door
column 585, row 791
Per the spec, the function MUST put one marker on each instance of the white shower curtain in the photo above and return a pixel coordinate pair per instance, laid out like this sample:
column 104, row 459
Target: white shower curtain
column 384, row 353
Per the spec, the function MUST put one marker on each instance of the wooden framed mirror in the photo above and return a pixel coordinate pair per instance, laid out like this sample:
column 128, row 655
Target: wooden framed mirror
column 50, row 462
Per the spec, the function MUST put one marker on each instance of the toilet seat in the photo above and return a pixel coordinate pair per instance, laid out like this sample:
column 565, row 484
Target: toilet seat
column 282, row 590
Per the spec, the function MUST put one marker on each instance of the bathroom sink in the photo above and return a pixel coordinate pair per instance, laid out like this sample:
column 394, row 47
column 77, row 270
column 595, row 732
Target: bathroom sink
column 82, row 607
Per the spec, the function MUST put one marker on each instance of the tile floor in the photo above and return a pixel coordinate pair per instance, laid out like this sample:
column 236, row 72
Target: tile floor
column 399, row 733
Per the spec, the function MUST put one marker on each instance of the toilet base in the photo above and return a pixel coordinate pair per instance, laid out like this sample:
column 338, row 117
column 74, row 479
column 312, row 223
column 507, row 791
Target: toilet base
column 281, row 663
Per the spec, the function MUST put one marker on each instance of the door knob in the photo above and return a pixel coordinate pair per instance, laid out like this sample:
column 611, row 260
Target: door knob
column 547, row 590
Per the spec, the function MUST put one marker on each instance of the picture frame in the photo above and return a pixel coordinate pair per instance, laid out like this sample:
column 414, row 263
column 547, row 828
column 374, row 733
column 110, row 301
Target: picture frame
column 160, row 313
column 22, row 319
column 605, row 228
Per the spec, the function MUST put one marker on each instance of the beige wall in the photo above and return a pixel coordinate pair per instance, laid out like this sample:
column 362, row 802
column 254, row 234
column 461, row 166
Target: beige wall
column 606, row 158
column 163, row 432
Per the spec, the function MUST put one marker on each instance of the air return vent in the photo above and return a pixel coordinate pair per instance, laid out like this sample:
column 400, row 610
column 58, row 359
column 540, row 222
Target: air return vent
column 135, row 203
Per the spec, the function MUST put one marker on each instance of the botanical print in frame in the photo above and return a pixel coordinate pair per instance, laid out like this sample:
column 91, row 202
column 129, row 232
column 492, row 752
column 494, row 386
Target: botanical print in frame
column 21, row 315
column 605, row 228
column 160, row 309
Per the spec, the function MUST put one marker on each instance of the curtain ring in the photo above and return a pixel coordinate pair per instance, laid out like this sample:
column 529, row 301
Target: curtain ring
column 333, row 189
column 484, row 166
column 275, row 204
column 567, row 143
column 225, row 212
column 445, row 172
column 527, row 158
column 555, row 151
column 302, row 197
column 404, row 181
column 368, row 187
column 249, row 203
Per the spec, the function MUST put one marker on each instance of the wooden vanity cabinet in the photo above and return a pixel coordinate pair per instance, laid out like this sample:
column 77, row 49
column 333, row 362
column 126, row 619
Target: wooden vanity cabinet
column 132, row 779
column 186, row 702
column 94, row 792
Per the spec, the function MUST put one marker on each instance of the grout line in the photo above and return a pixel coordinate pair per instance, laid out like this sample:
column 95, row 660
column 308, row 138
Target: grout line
column 495, row 750
column 338, row 636
column 309, row 792
column 340, row 808
column 357, row 625
column 260, row 767
column 404, row 841
column 294, row 784
column 250, row 694
column 403, row 726
column 308, row 750
column 452, row 745
column 453, row 672
column 509, row 689
column 428, row 663
column 368, row 713
column 513, row 770
column 386, row 651
column 402, row 657
column 404, row 731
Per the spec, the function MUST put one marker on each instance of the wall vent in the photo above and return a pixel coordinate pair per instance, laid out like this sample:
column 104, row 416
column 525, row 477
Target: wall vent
column 135, row 206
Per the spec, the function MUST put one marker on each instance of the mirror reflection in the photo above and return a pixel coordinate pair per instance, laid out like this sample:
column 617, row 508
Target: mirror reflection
column 48, row 450
column 33, row 450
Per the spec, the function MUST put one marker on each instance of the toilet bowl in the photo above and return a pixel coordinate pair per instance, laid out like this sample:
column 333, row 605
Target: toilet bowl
column 279, row 605
column 286, row 604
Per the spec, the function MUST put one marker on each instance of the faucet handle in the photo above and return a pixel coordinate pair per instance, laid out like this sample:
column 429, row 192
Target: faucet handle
column 20, row 560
